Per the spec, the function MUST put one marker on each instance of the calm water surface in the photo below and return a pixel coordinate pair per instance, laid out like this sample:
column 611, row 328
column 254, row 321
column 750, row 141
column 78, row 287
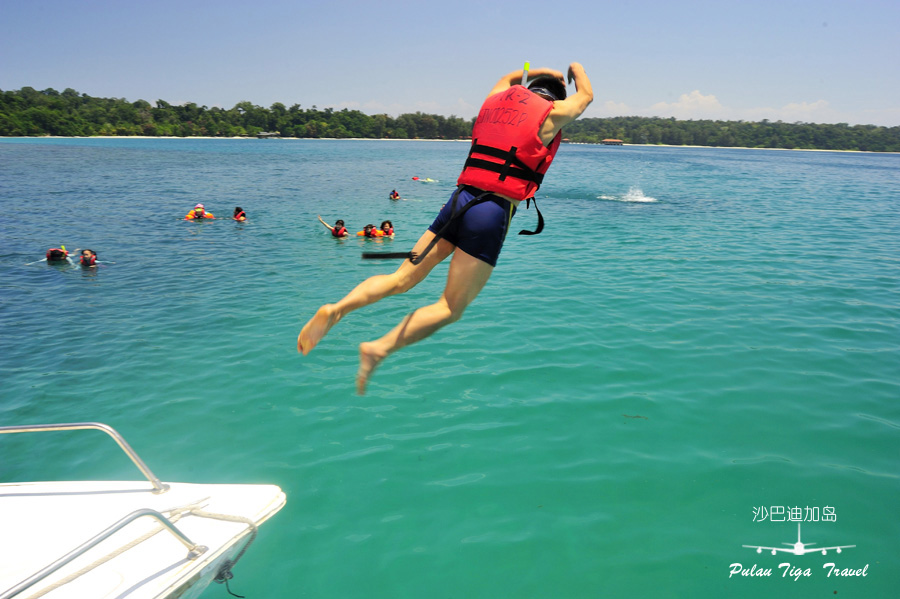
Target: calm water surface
column 700, row 339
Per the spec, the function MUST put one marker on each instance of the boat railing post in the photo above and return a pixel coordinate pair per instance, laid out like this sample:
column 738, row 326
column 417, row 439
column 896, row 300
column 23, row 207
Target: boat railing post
column 158, row 486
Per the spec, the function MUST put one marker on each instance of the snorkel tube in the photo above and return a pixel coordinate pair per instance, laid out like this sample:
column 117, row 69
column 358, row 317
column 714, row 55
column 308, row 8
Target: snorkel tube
column 525, row 73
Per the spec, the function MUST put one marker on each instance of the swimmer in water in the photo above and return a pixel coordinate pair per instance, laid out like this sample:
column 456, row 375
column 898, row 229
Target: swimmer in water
column 239, row 214
column 198, row 213
column 54, row 256
column 88, row 259
column 338, row 230
column 370, row 231
column 473, row 237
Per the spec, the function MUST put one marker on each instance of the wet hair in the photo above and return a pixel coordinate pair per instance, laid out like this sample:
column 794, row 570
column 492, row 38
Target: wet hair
column 552, row 88
column 238, row 210
column 388, row 223
column 339, row 223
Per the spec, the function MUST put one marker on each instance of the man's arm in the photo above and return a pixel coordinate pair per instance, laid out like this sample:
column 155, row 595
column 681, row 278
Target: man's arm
column 566, row 111
column 515, row 78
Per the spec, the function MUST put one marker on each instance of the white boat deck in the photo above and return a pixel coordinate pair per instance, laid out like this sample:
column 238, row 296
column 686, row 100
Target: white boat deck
column 43, row 521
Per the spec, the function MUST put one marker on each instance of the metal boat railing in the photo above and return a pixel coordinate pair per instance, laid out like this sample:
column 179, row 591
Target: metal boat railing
column 158, row 487
column 194, row 550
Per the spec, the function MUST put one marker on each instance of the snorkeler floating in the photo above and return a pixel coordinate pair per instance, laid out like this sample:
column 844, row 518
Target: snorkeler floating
column 199, row 213
column 504, row 167
column 56, row 255
column 370, row 230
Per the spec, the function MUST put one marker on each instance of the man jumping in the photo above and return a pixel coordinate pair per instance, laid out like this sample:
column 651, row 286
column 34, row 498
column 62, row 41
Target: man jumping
column 514, row 140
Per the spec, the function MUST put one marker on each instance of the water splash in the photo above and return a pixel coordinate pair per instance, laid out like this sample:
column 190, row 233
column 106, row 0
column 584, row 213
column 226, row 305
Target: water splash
column 635, row 194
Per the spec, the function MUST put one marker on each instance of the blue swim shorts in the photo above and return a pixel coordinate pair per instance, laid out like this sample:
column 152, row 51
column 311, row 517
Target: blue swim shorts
column 480, row 231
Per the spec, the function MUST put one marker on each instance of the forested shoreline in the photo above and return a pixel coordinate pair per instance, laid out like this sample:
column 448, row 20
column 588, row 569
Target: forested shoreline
column 28, row 112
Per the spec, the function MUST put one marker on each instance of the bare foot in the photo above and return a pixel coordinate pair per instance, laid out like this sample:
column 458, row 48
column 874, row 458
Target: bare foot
column 369, row 359
column 315, row 329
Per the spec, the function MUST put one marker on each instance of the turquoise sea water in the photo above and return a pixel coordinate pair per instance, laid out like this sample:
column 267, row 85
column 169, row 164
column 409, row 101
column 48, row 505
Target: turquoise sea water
column 698, row 337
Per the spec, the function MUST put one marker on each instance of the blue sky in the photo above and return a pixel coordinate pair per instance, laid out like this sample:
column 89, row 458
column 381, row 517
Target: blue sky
column 813, row 61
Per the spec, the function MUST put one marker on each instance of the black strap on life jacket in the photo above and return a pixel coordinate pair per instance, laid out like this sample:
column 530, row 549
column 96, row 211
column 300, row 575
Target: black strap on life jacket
column 540, row 226
column 511, row 167
column 479, row 198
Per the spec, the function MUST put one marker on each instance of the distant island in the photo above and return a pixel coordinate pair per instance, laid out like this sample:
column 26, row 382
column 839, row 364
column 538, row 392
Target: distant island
column 28, row 112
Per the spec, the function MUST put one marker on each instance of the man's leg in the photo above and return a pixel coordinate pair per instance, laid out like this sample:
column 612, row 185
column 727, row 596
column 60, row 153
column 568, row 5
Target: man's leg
column 373, row 289
column 465, row 279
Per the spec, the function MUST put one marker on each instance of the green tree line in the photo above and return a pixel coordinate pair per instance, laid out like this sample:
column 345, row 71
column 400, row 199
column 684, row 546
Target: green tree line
column 764, row 134
column 28, row 112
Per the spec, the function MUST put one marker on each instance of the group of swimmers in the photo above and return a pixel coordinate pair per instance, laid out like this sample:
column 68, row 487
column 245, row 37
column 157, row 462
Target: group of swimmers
column 200, row 213
column 86, row 258
column 370, row 230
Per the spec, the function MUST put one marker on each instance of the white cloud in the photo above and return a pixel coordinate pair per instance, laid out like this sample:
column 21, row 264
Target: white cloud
column 465, row 109
column 610, row 108
column 888, row 117
column 698, row 106
column 807, row 112
column 691, row 106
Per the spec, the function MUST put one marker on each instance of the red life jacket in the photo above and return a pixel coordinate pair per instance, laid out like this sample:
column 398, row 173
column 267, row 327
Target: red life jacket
column 56, row 255
column 507, row 156
column 88, row 261
column 339, row 232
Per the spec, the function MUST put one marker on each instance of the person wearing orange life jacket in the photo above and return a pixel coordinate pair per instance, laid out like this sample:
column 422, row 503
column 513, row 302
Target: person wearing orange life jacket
column 338, row 230
column 514, row 140
column 387, row 228
column 199, row 213
column 239, row 214
column 370, row 231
